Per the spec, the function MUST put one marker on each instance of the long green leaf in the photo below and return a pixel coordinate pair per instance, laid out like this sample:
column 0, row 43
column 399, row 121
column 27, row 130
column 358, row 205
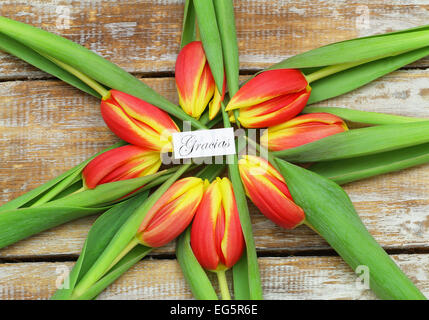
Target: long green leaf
column 52, row 184
column 99, row 236
column 210, row 38
column 350, row 79
column 241, row 279
column 194, row 274
column 226, row 22
column 17, row 49
column 357, row 50
column 134, row 256
column 104, row 193
column 89, row 63
column 366, row 117
column 189, row 28
column 353, row 169
column 359, row 142
column 330, row 212
column 18, row 224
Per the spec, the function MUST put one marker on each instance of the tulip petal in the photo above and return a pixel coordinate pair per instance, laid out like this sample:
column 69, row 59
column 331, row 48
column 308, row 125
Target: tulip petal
column 194, row 80
column 203, row 237
column 173, row 221
column 301, row 130
column 172, row 213
column 206, row 89
column 232, row 244
column 144, row 112
column 274, row 111
column 130, row 130
column 114, row 164
column 268, row 85
column 269, row 194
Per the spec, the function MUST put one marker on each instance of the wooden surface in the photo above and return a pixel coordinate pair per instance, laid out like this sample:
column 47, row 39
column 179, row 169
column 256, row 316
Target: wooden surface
column 47, row 127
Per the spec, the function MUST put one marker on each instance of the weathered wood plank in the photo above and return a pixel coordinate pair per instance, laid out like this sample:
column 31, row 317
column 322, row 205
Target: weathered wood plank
column 144, row 36
column 47, row 127
column 282, row 278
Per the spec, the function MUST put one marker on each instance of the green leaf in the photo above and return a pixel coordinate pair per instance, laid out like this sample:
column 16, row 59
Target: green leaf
column 54, row 186
column 99, row 236
column 189, row 29
column 194, row 274
column 94, row 66
column 330, row 212
column 17, row 49
column 359, row 49
column 210, row 38
column 359, row 142
column 350, row 79
column 353, row 169
column 241, row 279
column 226, row 22
column 18, row 224
column 366, row 117
column 104, row 193
column 134, row 256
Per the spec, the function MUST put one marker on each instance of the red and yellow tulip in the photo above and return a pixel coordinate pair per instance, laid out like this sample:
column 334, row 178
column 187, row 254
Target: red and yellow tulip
column 216, row 236
column 301, row 130
column 138, row 122
column 267, row 189
column 121, row 163
column 270, row 98
column 172, row 213
column 195, row 83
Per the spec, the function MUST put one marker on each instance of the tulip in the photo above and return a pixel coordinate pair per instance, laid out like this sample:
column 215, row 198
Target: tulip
column 195, row 83
column 301, row 130
column 267, row 189
column 138, row 122
column 126, row 162
column 216, row 236
column 172, row 213
column 270, row 98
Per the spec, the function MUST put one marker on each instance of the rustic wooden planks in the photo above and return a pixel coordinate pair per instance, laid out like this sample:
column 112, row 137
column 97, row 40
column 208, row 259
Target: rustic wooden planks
column 283, row 278
column 143, row 36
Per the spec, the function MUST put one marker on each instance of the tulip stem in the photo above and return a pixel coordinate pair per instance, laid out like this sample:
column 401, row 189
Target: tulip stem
column 103, row 92
column 223, row 285
column 335, row 68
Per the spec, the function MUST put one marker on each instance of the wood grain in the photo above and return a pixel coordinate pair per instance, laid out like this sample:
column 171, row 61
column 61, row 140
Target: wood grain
column 143, row 36
column 282, row 278
column 47, row 127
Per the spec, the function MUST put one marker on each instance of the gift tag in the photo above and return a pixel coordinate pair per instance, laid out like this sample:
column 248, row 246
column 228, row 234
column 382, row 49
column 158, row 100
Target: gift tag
column 203, row 143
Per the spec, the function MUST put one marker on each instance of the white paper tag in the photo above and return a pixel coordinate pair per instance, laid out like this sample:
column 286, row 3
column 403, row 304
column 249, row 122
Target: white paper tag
column 203, row 143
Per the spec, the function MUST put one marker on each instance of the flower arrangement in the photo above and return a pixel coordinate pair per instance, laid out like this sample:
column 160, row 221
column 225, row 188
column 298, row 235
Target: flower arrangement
column 305, row 153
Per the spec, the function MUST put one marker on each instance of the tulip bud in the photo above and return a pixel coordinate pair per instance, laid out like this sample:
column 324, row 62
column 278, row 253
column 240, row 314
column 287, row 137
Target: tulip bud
column 172, row 213
column 216, row 236
column 301, row 130
column 270, row 98
column 267, row 189
column 138, row 122
column 195, row 83
column 121, row 163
